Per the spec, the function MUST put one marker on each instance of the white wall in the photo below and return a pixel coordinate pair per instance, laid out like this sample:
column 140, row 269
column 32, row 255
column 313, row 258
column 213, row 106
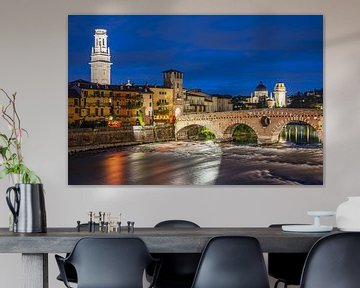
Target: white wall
column 33, row 62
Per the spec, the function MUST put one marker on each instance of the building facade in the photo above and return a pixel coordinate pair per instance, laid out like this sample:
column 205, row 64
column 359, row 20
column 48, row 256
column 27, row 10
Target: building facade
column 109, row 105
column 197, row 101
column 163, row 104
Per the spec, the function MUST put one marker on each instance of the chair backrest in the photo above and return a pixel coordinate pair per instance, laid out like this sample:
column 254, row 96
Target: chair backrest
column 176, row 224
column 110, row 262
column 232, row 262
column 333, row 262
column 286, row 267
column 178, row 269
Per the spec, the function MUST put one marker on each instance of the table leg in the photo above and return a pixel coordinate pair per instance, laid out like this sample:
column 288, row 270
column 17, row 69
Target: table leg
column 35, row 270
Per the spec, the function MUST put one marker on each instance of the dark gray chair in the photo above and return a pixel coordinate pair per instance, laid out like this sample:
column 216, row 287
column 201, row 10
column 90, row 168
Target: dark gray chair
column 178, row 269
column 333, row 262
column 286, row 267
column 69, row 269
column 232, row 262
column 108, row 263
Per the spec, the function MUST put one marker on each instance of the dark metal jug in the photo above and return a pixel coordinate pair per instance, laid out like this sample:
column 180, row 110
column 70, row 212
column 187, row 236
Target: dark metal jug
column 28, row 207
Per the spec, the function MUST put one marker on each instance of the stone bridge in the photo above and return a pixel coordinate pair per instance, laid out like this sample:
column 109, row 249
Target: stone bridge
column 267, row 123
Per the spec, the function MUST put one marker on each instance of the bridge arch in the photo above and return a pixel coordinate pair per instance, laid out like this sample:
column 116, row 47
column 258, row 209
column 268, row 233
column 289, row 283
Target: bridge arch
column 212, row 126
column 183, row 132
column 229, row 130
column 295, row 120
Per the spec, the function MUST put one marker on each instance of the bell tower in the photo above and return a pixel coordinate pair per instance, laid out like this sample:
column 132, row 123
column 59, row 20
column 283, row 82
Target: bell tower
column 100, row 59
column 280, row 94
column 174, row 79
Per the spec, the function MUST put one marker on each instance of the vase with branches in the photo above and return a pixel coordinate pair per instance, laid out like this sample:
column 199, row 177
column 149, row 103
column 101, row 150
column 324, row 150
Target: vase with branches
column 11, row 158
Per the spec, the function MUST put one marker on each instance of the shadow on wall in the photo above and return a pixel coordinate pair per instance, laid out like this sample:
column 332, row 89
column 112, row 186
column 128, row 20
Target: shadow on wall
column 344, row 39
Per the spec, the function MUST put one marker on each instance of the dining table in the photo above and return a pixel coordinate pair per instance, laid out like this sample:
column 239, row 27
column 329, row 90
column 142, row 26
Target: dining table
column 35, row 247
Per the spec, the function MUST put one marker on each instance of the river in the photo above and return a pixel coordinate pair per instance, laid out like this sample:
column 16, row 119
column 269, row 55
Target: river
column 199, row 163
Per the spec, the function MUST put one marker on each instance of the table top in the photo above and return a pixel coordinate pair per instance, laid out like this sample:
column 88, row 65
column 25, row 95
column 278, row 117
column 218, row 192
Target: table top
column 158, row 240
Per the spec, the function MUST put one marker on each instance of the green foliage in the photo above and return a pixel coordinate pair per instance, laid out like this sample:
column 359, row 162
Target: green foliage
column 244, row 134
column 206, row 134
column 141, row 119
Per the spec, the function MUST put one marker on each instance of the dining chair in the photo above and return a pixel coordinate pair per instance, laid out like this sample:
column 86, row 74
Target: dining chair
column 285, row 267
column 108, row 263
column 69, row 269
column 333, row 262
column 178, row 269
column 232, row 262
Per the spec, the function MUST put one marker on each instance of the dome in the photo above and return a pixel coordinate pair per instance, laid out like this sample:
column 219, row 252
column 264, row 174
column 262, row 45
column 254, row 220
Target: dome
column 261, row 87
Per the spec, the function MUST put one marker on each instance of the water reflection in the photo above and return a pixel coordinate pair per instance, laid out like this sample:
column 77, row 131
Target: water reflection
column 199, row 163
column 299, row 133
column 114, row 166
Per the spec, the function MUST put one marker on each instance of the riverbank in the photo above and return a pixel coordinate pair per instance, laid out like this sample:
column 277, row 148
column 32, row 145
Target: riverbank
column 86, row 139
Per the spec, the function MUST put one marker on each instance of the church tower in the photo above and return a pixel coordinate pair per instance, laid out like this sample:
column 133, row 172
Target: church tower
column 280, row 94
column 100, row 59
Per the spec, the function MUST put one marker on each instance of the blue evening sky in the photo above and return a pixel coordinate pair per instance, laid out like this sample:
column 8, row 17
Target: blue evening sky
column 218, row 54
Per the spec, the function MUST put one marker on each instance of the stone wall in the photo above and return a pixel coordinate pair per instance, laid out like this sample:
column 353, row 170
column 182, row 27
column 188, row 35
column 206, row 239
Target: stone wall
column 102, row 138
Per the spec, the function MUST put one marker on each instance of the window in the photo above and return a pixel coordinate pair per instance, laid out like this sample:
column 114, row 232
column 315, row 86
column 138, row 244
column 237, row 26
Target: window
column 102, row 93
column 76, row 110
column 102, row 112
column 96, row 111
column 76, row 102
column 150, row 104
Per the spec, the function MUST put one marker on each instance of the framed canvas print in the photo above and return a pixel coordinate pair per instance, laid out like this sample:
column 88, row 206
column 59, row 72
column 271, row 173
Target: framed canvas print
column 195, row 100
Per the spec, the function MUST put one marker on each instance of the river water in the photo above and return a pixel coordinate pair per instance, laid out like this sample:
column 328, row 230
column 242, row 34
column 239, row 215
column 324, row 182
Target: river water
column 199, row 163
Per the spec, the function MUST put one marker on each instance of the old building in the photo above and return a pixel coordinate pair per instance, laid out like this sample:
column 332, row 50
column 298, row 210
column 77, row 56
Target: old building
column 163, row 104
column 112, row 105
column 93, row 103
column 197, row 101
column 223, row 103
